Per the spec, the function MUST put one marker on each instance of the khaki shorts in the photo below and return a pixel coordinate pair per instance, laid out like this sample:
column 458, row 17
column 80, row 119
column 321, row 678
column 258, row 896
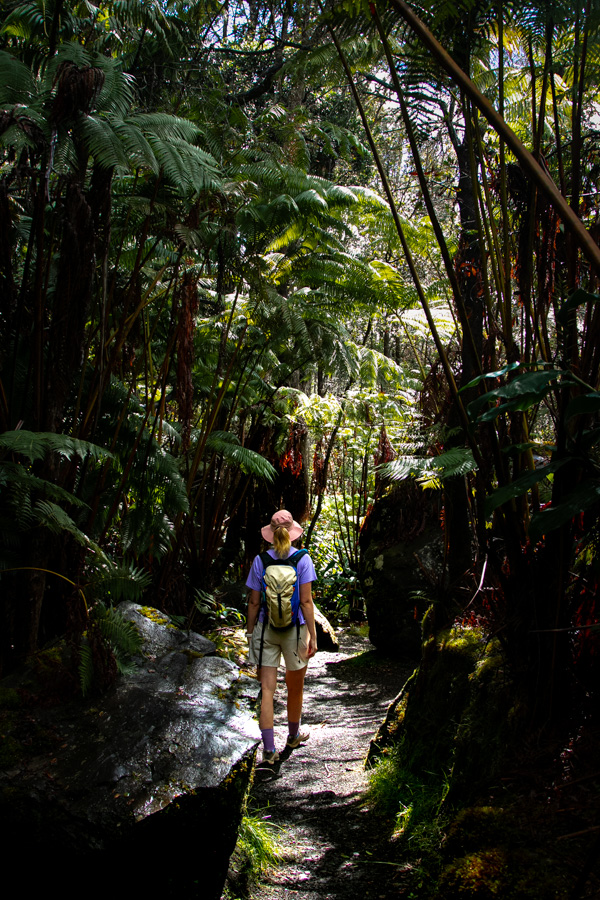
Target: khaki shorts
column 277, row 642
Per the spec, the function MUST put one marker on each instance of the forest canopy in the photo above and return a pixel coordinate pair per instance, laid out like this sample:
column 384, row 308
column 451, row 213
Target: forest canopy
column 255, row 255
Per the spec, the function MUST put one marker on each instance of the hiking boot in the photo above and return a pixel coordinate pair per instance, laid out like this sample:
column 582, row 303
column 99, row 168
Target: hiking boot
column 270, row 757
column 300, row 738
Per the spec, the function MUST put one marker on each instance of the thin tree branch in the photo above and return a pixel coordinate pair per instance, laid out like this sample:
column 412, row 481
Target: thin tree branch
column 535, row 171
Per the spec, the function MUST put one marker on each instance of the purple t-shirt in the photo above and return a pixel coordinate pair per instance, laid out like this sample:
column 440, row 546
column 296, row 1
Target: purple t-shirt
column 305, row 569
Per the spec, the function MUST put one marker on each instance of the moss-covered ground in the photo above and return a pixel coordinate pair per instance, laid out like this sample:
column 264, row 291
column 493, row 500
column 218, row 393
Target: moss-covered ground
column 480, row 806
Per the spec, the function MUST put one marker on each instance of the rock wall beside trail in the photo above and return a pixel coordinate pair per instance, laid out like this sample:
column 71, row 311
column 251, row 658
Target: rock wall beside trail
column 326, row 636
column 457, row 746
column 402, row 559
column 144, row 787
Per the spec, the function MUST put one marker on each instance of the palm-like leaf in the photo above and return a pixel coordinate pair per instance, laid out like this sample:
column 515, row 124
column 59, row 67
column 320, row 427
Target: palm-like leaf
column 248, row 461
column 34, row 445
column 431, row 471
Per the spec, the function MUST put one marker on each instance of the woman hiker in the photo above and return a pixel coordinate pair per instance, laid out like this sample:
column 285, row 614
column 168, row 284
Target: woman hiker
column 267, row 643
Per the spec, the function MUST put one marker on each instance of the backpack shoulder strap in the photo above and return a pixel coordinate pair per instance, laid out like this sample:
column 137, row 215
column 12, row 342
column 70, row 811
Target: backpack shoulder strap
column 293, row 560
column 297, row 556
column 266, row 559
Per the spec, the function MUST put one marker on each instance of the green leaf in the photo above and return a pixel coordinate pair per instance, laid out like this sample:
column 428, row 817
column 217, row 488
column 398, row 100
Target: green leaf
column 519, row 448
column 36, row 444
column 493, row 413
column 458, row 461
column 497, row 374
column 250, row 462
column 520, row 485
column 577, row 298
column 530, row 384
column 589, row 439
column 580, row 499
column 583, row 405
column 521, row 393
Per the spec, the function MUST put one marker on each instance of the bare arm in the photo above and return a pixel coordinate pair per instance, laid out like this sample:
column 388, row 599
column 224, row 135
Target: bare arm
column 308, row 611
column 253, row 610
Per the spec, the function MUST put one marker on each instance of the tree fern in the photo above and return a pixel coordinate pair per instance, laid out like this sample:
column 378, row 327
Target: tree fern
column 113, row 582
column 431, row 471
column 16, row 83
column 20, row 481
column 86, row 667
column 250, row 462
column 118, row 637
column 34, row 445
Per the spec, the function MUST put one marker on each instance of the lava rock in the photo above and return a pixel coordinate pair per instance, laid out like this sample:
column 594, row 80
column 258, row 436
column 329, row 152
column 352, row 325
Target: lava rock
column 144, row 788
column 402, row 564
column 326, row 636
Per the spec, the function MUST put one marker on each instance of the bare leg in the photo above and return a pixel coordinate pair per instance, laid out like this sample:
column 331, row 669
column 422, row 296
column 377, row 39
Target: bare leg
column 295, row 694
column 267, row 675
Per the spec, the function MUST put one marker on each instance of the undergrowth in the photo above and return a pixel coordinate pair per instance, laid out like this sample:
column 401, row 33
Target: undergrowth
column 257, row 850
column 411, row 804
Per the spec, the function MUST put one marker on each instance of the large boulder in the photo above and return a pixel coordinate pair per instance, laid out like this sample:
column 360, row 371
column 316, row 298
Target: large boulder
column 326, row 636
column 143, row 788
column 402, row 562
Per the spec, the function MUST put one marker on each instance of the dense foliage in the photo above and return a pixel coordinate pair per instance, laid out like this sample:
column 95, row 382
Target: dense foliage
column 175, row 268
column 249, row 253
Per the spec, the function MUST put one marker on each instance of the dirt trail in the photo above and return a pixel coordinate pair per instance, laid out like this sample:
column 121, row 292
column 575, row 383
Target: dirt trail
column 314, row 794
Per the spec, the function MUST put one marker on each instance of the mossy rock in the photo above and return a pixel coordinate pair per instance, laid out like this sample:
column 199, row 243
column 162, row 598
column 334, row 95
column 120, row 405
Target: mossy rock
column 441, row 693
column 9, row 698
column 454, row 712
column 491, row 726
column 478, row 827
column 456, row 726
column 496, row 873
column 402, row 558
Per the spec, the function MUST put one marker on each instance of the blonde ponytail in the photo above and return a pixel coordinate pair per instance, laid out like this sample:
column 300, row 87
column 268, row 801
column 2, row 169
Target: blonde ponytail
column 281, row 541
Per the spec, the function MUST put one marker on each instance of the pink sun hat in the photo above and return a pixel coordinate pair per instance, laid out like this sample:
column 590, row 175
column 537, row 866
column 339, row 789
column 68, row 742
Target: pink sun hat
column 285, row 519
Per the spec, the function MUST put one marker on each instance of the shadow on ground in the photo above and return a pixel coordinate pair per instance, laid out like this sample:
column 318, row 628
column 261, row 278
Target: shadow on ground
column 334, row 847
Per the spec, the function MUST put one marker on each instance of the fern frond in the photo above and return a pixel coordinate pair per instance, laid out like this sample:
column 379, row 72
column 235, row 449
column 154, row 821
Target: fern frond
column 185, row 165
column 250, row 462
column 16, row 83
column 458, row 461
column 430, row 481
column 86, row 666
column 21, row 483
column 135, row 144
column 164, row 127
column 117, row 582
column 102, row 143
column 311, row 201
column 57, row 520
column 121, row 634
column 34, row 445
